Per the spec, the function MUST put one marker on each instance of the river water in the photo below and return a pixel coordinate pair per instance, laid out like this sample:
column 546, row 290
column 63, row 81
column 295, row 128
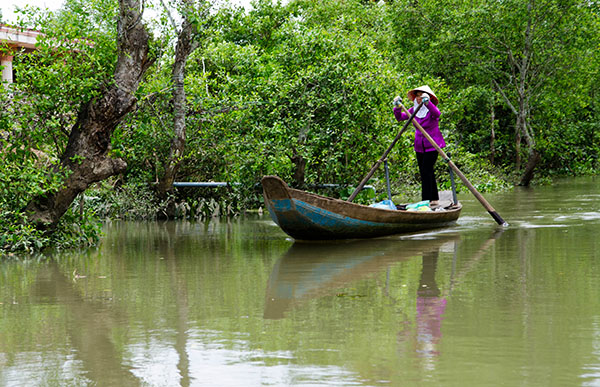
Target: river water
column 237, row 303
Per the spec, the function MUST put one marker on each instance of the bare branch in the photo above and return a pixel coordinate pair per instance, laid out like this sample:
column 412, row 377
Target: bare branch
column 510, row 105
column 168, row 11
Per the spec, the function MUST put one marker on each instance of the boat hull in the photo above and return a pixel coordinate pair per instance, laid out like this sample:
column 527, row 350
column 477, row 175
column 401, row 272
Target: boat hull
column 307, row 216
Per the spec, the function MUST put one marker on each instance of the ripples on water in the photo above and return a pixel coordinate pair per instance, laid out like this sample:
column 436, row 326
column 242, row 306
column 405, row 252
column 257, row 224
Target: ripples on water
column 232, row 303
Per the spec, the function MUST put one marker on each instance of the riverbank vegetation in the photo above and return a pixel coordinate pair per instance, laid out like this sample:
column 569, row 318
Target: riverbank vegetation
column 109, row 111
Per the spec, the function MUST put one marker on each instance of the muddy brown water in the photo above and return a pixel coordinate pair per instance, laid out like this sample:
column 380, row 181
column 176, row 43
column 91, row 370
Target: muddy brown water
column 237, row 303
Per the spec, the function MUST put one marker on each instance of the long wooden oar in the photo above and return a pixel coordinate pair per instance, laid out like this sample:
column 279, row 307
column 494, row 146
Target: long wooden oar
column 383, row 157
column 479, row 197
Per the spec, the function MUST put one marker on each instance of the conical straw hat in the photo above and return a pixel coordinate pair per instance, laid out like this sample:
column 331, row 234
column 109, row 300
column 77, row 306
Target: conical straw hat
column 425, row 89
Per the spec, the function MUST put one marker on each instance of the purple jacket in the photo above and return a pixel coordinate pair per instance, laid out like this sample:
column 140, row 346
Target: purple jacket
column 431, row 125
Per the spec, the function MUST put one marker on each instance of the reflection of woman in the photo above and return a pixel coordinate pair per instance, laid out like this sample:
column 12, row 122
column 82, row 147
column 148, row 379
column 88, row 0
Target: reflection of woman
column 428, row 117
column 430, row 308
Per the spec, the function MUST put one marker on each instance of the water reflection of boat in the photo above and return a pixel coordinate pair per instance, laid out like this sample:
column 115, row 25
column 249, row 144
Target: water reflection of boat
column 310, row 270
column 307, row 216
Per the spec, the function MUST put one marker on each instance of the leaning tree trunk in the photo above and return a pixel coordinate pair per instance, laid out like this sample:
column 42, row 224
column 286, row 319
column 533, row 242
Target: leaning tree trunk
column 86, row 156
column 532, row 161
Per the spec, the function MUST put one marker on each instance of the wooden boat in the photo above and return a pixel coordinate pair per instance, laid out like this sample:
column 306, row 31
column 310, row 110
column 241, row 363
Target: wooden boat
column 308, row 216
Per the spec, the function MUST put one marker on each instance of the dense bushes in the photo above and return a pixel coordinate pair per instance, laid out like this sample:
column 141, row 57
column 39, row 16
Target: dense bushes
column 301, row 90
column 21, row 177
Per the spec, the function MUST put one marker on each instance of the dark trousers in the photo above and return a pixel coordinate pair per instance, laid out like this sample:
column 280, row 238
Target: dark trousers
column 426, row 162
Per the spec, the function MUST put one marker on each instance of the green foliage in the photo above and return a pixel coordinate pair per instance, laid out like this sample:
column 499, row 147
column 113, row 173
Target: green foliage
column 478, row 171
column 130, row 201
column 480, row 48
column 77, row 228
column 574, row 150
column 257, row 100
column 321, row 94
column 73, row 60
column 23, row 176
column 313, row 81
column 303, row 91
column 137, row 201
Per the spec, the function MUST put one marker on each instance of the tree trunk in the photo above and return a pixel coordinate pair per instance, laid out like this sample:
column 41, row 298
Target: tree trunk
column 534, row 156
column 86, row 156
column 532, row 162
column 518, row 145
column 493, row 132
column 185, row 46
column 300, row 163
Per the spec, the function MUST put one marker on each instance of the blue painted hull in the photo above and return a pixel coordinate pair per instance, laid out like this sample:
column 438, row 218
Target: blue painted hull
column 307, row 216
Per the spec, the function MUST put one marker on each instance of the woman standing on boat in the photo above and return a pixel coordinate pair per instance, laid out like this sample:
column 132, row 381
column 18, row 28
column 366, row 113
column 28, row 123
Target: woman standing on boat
column 428, row 117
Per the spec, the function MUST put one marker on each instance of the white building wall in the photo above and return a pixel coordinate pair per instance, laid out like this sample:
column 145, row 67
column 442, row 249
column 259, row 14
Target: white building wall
column 19, row 39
